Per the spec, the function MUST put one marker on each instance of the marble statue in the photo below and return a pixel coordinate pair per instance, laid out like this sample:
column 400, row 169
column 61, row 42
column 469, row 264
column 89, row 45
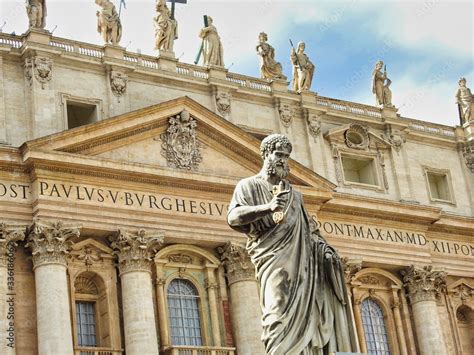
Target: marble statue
column 381, row 86
column 464, row 100
column 166, row 28
column 303, row 69
column 269, row 67
column 213, row 53
column 36, row 11
column 303, row 297
column 108, row 22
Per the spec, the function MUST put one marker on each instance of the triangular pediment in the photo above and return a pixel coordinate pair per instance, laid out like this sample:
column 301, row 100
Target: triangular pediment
column 133, row 143
column 357, row 136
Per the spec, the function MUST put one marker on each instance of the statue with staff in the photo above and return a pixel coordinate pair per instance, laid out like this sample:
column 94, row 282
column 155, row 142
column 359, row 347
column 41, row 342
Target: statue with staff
column 211, row 48
column 381, row 85
column 108, row 22
column 303, row 295
column 166, row 26
column 303, row 69
column 36, row 11
column 464, row 99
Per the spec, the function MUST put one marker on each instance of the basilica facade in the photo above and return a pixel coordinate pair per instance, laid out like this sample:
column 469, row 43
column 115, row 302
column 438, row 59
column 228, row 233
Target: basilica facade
column 116, row 172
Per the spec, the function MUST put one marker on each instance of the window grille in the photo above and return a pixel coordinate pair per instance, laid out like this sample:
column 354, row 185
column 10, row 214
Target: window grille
column 86, row 324
column 374, row 328
column 183, row 307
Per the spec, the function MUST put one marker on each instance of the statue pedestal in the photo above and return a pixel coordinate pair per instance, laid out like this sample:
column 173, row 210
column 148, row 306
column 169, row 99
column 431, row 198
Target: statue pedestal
column 279, row 85
column 389, row 112
column 167, row 61
column 308, row 97
column 216, row 72
column 112, row 51
column 37, row 35
column 469, row 130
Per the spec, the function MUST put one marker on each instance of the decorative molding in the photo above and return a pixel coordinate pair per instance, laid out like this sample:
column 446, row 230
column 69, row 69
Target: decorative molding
column 28, row 69
column 223, row 103
column 118, row 83
column 286, row 112
column 210, row 284
column 468, row 154
column 43, row 70
column 50, row 242
column 357, row 137
column 85, row 285
column 236, row 262
column 180, row 146
column 135, row 250
column 423, row 284
column 336, row 156
column 397, row 138
column 9, row 235
column 381, row 161
column 180, row 258
column 369, row 280
column 314, row 124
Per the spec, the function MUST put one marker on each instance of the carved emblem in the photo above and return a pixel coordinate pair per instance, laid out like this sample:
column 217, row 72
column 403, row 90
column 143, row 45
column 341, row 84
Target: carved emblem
column 357, row 137
column 43, row 70
column 314, row 125
column 286, row 114
column 223, row 103
column 397, row 138
column 369, row 280
column 180, row 258
column 89, row 256
column 118, row 83
column 180, row 146
column 85, row 285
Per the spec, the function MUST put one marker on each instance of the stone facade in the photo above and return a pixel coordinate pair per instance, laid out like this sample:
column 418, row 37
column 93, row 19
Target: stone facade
column 117, row 209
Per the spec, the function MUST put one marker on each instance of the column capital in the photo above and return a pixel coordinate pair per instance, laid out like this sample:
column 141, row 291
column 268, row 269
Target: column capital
column 236, row 262
column 135, row 249
column 351, row 267
column 9, row 235
column 50, row 242
column 423, row 283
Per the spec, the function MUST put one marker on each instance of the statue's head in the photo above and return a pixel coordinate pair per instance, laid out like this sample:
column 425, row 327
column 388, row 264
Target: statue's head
column 262, row 37
column 301, row 46
column 462, row 82
column 275, row 151
column 379, row 65
column 209, row 20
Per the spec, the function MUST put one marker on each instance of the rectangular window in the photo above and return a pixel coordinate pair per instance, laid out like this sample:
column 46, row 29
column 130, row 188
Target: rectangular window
column 439, row 186
column 80, row 114
column 359, row 170
column 86, row 324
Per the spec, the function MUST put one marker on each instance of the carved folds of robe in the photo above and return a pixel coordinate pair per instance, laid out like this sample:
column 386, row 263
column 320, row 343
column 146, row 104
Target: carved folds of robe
column 302, row 294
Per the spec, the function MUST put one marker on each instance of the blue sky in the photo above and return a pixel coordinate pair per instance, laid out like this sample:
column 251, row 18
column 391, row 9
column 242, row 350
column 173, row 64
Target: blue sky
column 426, row 45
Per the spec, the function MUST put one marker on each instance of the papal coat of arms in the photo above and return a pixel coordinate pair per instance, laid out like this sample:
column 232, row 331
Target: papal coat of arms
column 43, row 70
column 180, row 146
column 118, row 83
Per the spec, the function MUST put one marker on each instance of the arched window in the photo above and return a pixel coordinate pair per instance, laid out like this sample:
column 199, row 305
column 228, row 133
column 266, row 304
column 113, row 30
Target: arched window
column 374, row 328
column 183, row 306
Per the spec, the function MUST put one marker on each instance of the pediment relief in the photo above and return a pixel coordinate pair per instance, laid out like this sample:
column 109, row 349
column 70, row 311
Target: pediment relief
column 186, row 256
column 135, row 142
column 90, row 252
column 357, row 137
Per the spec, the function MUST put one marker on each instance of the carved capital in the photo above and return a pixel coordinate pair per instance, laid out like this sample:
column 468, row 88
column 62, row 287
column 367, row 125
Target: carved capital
column 50, row 242
column 351, row 267
column 423, row 284
column 236, row 262
column 9, row 235
column 135, row 250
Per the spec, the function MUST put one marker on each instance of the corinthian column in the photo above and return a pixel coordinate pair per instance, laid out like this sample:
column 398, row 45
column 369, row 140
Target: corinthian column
column 50, row 243
column 8, row 238
column 135, row 251
column 245, row 303
column 422, row 285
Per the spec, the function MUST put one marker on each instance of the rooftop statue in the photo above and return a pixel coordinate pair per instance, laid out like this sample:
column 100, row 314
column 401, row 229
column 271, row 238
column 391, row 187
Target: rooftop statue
column 269, row 67
column 303, row 295
column 303, row 69
column 213, row 53
column 36, row 11
column 381, row 86
column 108, row 22
column 166, row 28
column 464, row 100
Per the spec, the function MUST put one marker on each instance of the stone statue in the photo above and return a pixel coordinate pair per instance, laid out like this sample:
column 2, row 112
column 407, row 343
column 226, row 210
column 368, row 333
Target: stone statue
column 303, row 69
column 269, row 68
column 302, row 289
column 464, row 101
column 166, row 28
column 380, row 86
column 108, row 22
column 36, row 11
column 213, row 53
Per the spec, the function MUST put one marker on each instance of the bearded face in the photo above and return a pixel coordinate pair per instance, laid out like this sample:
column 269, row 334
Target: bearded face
column 277, row 166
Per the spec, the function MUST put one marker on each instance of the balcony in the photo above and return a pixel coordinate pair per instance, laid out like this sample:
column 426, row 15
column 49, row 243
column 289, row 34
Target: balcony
column 198, row 350
column 84, row 350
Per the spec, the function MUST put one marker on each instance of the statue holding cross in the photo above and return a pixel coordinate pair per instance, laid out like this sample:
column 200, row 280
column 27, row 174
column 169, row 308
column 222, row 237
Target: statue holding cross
column 166, row 26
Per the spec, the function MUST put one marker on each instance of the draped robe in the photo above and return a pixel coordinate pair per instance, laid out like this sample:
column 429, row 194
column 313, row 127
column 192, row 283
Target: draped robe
column 302, row 293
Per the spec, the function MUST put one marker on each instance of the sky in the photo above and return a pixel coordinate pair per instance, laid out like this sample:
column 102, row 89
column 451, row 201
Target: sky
column 427, row 45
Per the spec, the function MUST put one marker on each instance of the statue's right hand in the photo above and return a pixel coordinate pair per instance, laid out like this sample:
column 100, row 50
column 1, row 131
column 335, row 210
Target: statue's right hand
column 278, row 202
